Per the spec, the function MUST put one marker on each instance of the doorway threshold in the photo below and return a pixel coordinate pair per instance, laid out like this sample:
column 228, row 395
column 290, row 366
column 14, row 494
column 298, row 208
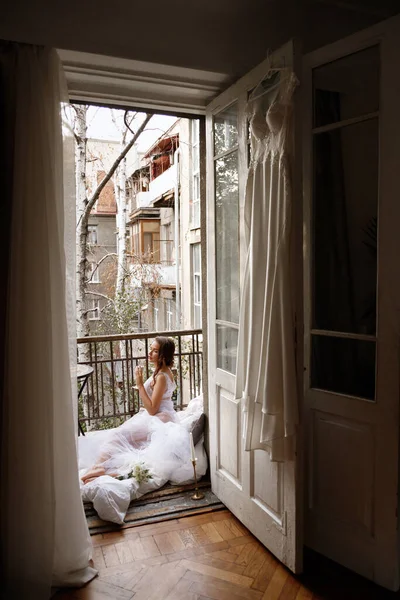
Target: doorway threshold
column 169, row 502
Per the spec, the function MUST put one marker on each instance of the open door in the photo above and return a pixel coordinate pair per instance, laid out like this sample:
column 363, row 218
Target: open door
column 352, row 299
column 262, row 494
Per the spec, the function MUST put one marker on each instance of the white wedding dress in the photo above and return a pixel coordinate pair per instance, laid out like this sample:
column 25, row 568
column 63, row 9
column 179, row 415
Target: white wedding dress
column 147, row 439
column 266, row 373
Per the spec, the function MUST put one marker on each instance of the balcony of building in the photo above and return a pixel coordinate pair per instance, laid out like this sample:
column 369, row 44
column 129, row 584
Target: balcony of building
column 143, row 199
column 161, row 189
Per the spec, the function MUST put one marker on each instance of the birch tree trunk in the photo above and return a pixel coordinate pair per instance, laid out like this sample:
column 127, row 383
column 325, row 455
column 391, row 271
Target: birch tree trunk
column 121, row 229
column 80, row 131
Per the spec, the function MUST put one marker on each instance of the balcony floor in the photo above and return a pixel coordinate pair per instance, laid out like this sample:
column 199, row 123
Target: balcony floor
column 208, row 556
column 168, row 502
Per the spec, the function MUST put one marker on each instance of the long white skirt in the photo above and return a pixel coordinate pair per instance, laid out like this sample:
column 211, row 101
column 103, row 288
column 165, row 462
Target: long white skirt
column 146, row 440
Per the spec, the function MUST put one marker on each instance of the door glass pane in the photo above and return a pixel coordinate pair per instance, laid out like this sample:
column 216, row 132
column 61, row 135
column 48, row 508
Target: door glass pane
column 225, row 130
column 197, row 316
column 156, row 248
column 227, row 340
column 346, row 88
column 196, row 258
column 197, row 289
column 343, row 365
column 227, row 237
column 195, row 150
column 148, row 243
column 196, row 186
column 346, row 169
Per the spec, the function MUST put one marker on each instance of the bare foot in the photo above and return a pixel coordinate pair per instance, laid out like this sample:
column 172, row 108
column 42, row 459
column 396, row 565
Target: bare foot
column 89, row 480
column 93, row 473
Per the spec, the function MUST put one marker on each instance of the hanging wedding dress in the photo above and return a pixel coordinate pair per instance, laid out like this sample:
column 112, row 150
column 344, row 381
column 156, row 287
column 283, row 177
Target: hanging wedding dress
column 266, row 372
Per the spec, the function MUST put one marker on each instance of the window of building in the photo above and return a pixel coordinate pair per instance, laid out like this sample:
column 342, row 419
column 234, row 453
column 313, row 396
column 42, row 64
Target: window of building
column 167, row 243
column 195, row 204
column 162, row 156
column 146, row 240
column 169, row 313
column 94, row 311
column 155, row 315
column 135, row 239
column 93, row 273
column 196, row 285
column 92, row 235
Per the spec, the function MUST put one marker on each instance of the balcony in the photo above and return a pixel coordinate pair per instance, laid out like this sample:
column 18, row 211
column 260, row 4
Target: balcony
column 110, row 397
column 163, row 184
column 168, row 274
column 143, row 199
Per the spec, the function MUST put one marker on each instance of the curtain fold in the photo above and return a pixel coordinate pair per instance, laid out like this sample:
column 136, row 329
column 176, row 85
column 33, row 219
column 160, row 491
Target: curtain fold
column 44, row 535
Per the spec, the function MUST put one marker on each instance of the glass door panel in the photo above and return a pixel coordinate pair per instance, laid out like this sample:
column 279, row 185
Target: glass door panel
column 227, row 236
column 345, row 224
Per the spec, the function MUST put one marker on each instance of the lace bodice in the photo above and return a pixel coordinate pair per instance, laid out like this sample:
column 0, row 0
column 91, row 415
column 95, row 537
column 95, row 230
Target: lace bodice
column 166, row 404
column 268, row 115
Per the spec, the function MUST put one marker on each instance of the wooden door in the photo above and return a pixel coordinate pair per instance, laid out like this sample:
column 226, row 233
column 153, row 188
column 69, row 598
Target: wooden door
column 352, row 295
column 262, row 494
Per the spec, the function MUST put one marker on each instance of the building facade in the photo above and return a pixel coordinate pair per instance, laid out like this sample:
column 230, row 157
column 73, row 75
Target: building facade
column 165, row 235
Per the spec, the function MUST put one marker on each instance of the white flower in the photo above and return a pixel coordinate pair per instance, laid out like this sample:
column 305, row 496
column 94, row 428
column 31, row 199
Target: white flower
column 137, row 471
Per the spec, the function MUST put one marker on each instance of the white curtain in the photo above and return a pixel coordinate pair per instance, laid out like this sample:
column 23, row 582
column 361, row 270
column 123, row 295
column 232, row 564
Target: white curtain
column 44, row 535
column 266, row 374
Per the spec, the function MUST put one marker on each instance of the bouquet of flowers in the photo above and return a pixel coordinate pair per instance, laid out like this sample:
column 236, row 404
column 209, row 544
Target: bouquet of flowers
column 137, row 471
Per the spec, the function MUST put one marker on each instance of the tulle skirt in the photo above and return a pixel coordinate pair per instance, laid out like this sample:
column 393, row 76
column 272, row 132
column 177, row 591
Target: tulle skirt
column 146, row 441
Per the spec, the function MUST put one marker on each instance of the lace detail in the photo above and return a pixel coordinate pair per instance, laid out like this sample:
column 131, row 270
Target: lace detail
column 166, row 404
column 269, row 117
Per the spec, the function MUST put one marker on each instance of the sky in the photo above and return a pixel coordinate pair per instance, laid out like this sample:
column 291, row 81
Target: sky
column 101, row 126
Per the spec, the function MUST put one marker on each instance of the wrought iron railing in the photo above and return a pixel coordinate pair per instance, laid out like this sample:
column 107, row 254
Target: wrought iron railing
column 110, row 396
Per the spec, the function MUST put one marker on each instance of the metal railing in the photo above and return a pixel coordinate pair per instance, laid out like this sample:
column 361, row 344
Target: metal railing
column 110, row 396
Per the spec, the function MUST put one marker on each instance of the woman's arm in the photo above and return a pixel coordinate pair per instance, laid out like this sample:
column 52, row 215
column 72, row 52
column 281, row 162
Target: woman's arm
column 151, row 404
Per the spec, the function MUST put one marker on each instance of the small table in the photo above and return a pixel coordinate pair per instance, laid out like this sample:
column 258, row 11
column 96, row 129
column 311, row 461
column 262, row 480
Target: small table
column 83, row 373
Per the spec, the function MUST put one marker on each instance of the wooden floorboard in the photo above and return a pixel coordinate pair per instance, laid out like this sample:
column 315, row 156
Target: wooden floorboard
column 208, row 556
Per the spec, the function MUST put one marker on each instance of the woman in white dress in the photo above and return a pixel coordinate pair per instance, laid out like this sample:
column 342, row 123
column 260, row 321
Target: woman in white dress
column 156, row 396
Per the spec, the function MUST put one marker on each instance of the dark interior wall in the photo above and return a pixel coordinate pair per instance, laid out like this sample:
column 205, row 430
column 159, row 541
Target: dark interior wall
column 7, row 115
column 228, row 36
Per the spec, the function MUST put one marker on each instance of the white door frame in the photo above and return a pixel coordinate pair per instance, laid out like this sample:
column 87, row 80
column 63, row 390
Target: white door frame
column 120, row 82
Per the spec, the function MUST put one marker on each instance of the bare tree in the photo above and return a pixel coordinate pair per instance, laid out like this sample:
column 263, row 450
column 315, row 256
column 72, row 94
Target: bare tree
column 86, row 202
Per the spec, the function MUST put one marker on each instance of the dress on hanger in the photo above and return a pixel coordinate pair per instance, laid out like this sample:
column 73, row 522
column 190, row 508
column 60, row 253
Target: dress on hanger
column 266, row 373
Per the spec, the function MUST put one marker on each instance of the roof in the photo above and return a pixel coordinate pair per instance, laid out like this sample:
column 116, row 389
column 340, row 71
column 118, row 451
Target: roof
column 166, row 200
column 164, row 144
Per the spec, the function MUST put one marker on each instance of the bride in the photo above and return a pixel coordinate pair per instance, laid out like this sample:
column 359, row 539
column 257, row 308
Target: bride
column 138, row 431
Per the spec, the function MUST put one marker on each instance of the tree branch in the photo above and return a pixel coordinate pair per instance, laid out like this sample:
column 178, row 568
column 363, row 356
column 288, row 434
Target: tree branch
column 86, row 312
column 89, row 293
column 99, row 263
column 92, row 200
column 126, row 122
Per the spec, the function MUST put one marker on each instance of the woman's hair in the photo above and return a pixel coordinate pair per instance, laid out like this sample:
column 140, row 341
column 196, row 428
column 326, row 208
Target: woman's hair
column 166, row 353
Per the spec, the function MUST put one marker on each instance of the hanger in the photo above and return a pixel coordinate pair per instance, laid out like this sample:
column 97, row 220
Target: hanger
column 263, row 83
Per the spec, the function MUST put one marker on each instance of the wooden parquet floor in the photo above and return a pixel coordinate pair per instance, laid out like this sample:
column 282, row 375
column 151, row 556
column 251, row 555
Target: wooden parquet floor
column 209, row 556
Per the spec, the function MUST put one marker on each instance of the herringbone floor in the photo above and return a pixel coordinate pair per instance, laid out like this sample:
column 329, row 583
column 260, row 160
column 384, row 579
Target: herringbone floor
column 197, row 558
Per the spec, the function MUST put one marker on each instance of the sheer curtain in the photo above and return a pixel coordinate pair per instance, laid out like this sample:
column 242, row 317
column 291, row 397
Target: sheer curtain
column 44, row 535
